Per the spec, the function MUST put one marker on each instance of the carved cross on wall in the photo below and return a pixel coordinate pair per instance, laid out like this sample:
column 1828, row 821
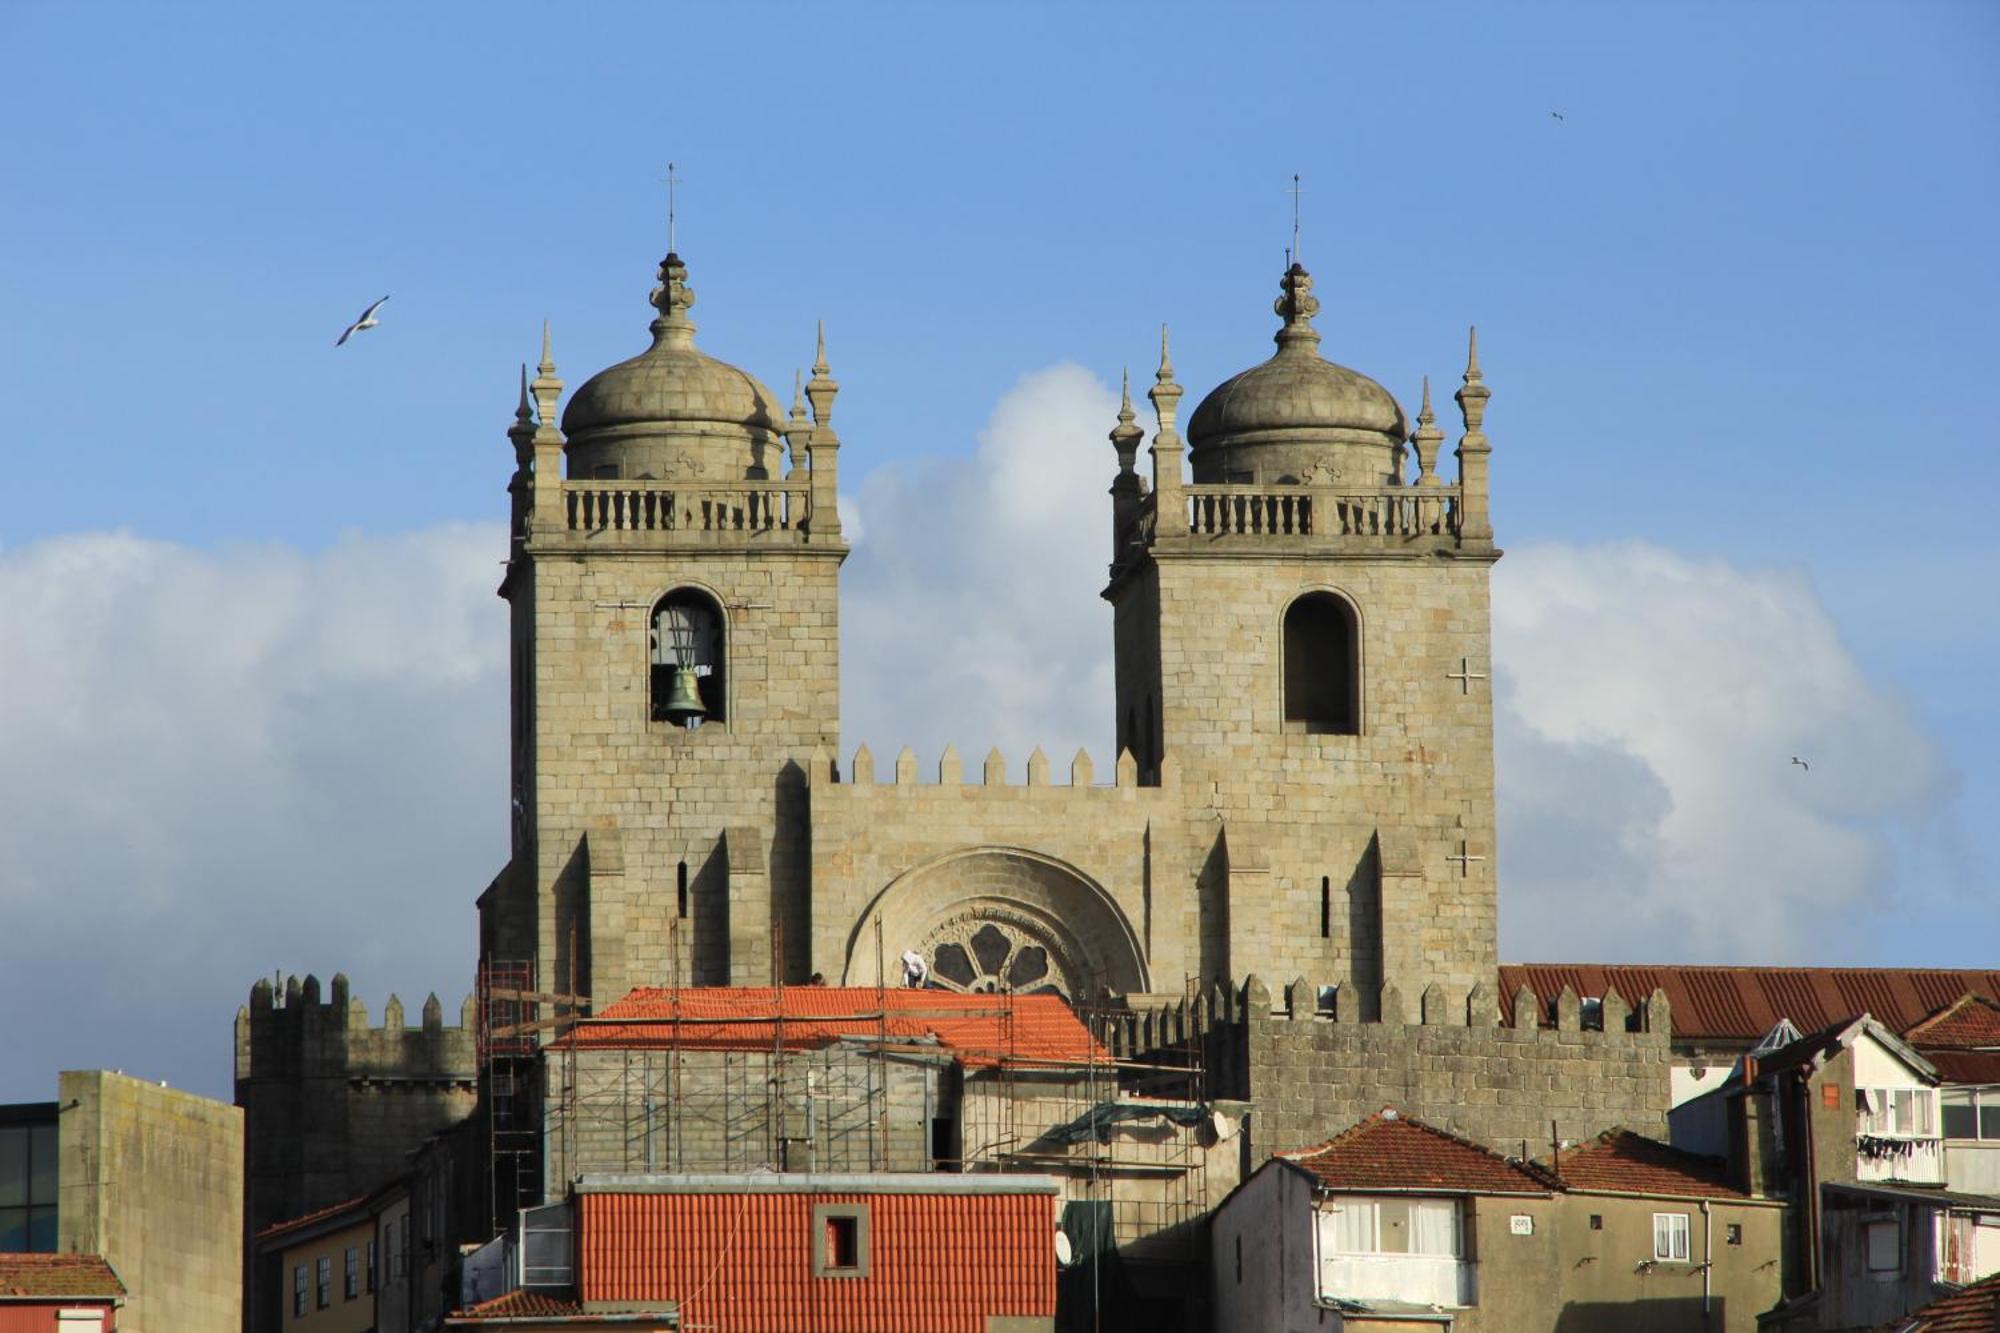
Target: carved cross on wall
column 1464, row 859
column 1465, row 675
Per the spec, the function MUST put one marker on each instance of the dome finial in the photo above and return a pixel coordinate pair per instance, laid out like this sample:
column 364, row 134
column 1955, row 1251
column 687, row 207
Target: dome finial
column 1296, row 305
column 673, row 298
column 822, row 387
column 1473, row 394
column 1426, row 439
column 1125, row 436
column 546, row 388
column 1166, row 394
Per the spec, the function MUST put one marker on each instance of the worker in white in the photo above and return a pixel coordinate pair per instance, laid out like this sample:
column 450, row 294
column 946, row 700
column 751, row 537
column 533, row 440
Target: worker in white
column 915, row 970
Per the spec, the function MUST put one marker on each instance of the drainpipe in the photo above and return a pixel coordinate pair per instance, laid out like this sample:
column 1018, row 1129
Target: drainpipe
column 1707, row 1258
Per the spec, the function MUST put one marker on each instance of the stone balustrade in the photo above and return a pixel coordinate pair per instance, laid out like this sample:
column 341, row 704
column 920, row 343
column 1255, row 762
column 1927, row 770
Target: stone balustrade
column 903, row 771
column 1379, row 511
column 661, row 506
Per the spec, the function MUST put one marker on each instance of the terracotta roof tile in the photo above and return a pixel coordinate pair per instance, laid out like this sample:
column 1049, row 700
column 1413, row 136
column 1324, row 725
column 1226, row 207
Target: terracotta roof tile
column 743, row 1262
column 1388, row 1151
column 1743, row 1003
column 304, row 1220
column 979, row 1030
column 1966, row 1066
column 83, row 1276
column 1634, row 1164
column 1967, row 1023
column 522, row 1305
column 1973, row 1309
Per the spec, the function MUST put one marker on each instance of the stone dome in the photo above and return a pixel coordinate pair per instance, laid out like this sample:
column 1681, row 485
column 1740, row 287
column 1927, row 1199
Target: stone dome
column 1298, row 417
column 673, row 411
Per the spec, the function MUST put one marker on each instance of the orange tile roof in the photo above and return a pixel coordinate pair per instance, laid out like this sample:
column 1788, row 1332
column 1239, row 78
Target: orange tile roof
column 520, row 1305
column 1973, row 1309
column 1743, row 1003
column 1389, row 1151
column 1634, row 1164
column 979, row 1030
column 68, row 1276
column 1968, row 1023
column 304, row 1220
column 743, row 1262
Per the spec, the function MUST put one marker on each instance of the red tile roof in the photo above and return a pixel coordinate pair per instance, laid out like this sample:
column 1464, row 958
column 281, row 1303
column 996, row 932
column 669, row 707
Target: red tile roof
column 979, row 1030
column 1973, row 1309
column 743, row 1262
column 1743, row 1003
column 1968, row 1023
column 520, row 1305
column 1634, row 1164
column 305, row 1220
column 69, row 1276
column 1388, row 1151
column 1966, row 1066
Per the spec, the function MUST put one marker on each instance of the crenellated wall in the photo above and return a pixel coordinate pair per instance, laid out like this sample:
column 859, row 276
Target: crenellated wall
column 1094, row 872
column 1312, row 1067
column 332, row 1104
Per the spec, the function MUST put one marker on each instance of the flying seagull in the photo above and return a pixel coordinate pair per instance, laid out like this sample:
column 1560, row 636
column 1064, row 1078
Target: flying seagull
column 1557, row 114
column 1802, row 763
column 367, row 321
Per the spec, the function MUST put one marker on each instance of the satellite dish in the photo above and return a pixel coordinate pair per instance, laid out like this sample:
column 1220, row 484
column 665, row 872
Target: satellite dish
column 1224, row 1126
column 1065, row 1254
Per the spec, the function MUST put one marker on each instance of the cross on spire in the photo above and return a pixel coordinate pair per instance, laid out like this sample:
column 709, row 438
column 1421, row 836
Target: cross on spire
column 1295, row 192
column 672, row 184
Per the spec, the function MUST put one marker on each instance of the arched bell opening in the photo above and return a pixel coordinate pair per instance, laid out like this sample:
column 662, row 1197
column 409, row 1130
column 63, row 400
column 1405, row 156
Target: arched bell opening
column 1322, row 681
column 689, row 656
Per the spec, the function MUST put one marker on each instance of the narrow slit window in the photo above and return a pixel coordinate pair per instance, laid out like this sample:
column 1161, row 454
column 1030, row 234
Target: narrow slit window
column 1326, row 907
column 681, row 891
column 1322, row 666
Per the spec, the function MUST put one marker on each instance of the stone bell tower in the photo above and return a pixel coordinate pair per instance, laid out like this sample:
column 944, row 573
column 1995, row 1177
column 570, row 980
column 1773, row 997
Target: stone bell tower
column 675, row 662
column 1304, row 629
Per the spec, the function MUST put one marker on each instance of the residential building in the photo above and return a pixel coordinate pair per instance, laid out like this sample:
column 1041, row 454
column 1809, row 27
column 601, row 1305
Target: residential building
column 1962, row 1041
column 864, row 1253
column 1395, row 1223
column 140, row 1176
column 58, row 1293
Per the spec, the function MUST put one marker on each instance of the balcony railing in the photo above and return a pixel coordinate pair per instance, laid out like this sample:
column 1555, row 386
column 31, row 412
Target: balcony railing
column 1381, row 511
column 656, row 506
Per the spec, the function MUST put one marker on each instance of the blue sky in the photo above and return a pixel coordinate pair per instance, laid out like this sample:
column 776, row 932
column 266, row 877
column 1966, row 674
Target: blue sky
column 1735, row 305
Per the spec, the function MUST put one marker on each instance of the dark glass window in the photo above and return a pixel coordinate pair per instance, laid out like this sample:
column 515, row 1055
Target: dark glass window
column 27, row 1188
column 298, row 1291
column 353, row 1274
column 843, row 1242
column 1322, row 666
column 325, row 1281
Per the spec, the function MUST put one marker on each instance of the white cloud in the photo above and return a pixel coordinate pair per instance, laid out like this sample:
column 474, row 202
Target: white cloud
column 221, row 764
column 1650, row 707
column 971, row 614
column 218, row 764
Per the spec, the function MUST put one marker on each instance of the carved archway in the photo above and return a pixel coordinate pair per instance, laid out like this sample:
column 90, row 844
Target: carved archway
column 1001, row 918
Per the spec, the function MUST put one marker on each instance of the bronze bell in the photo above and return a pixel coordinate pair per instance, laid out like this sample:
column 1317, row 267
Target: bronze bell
column 684, row 699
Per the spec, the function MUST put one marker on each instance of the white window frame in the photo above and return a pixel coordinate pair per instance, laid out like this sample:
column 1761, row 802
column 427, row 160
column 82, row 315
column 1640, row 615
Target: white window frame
column 1978, row 1100
column 1902, row 1112
column 1673, row 1229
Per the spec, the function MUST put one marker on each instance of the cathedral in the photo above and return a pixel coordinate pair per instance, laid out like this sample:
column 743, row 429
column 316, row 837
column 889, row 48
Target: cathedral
column 1303, row 784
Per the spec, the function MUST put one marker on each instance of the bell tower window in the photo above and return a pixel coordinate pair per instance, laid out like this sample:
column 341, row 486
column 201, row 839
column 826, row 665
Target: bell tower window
column 688, row 660
column 1322, row 666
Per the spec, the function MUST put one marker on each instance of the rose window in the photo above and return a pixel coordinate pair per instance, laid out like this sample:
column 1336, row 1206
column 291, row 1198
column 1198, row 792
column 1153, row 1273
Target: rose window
column 984, row 957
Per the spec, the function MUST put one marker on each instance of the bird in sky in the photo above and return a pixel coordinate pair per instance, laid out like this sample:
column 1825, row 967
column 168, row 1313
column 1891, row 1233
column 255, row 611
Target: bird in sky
column 1802, row 763
column 1557, row 114
column 367, row 321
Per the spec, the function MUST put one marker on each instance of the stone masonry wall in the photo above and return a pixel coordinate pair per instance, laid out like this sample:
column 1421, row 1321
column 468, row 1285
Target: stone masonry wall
column 152, row 1179
column 1310, row 1074
column 332, row 1105
column 1373, row 815
column 838, row 1109
column 619, row 802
